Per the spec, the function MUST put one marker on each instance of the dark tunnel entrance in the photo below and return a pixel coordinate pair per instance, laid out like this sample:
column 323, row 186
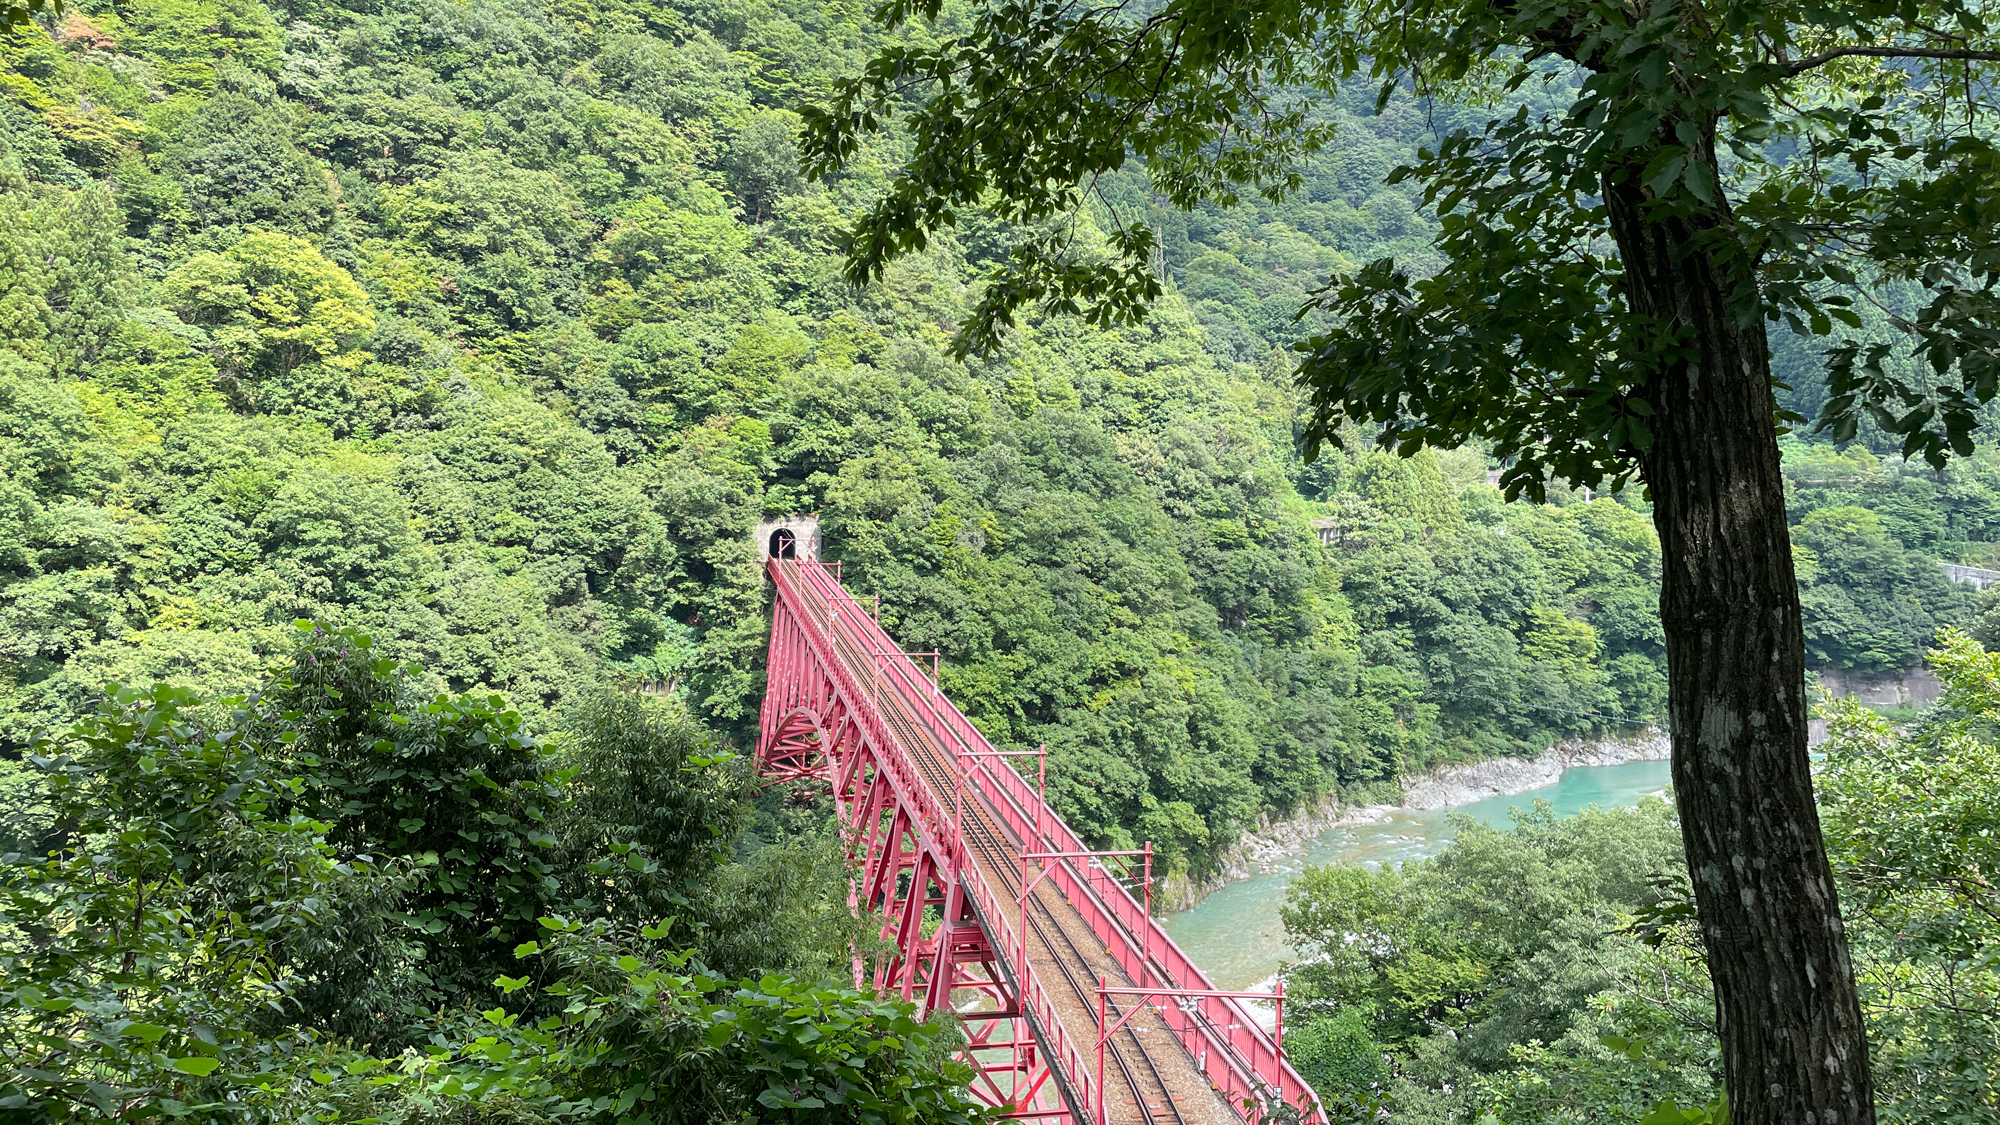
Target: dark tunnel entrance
column 783, row 544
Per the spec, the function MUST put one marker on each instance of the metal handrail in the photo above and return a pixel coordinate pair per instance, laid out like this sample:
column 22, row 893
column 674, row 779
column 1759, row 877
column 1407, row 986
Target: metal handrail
column 1035, row 1001
column 1246, row 1062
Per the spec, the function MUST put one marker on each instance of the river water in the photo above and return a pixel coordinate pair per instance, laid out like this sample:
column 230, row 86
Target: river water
column 1235, row 934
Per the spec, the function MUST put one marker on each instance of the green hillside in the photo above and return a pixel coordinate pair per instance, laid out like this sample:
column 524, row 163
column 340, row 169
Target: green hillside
column 492, row 329
column 422, row 367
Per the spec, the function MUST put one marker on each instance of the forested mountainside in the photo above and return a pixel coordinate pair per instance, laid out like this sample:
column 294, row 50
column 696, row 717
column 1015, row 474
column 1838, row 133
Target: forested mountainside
column 492, row 327
column 482, row 332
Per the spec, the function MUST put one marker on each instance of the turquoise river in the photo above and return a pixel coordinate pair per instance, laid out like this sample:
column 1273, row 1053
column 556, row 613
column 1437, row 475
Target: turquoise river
column 1235, row 934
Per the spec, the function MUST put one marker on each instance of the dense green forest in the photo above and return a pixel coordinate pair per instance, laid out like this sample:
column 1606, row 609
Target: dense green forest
column 487, row 330
column 308, row 905
column 492, row 328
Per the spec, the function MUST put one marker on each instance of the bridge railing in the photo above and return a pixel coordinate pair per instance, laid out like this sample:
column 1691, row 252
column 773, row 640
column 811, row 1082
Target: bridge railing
column 846, row 614
column 1241, row 1058
column 932, row 821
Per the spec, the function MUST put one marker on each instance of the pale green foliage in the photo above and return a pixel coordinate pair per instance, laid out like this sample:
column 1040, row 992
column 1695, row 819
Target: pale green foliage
column 271, row 303
column 1552, row 973
column 1516, row 972
column 1914, row 823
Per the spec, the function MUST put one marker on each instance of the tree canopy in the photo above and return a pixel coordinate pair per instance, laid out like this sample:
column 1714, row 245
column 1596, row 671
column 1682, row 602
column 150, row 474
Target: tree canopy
column 1838, row 131
column 1610, row 254
column 1549, row 971
column 344, row 899
column 512, row 407
column 491, row 329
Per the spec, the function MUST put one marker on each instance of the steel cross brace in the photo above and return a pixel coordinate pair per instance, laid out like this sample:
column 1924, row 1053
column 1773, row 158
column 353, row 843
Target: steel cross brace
column 832, row 669
column 1096, row 859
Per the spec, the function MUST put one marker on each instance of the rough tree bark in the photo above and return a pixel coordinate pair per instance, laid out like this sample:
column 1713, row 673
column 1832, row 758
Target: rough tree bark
column 1793, row 1043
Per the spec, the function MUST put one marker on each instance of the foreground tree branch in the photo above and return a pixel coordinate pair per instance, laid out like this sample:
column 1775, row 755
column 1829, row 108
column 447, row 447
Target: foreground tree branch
column 1815, row 61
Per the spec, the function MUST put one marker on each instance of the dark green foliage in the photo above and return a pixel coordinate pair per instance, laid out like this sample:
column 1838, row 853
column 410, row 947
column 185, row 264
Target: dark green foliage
column 663, row 799
column 1872, row 604
column 1339, row 1056
column 658, row 831
column 192, row 942
column 781, row 907
column 179, row 927
column 654, row 1040
column 1867, row 542
column 451, row 786
column 1031, row 113
column 238, row 168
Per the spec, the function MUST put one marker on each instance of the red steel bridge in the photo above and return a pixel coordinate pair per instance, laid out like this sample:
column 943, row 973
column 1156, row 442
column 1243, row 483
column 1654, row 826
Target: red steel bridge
column 1076, row 1005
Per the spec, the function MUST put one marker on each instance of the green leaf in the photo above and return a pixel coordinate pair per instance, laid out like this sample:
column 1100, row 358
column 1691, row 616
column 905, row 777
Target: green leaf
column 1700, row 181
column 1653, row 71
column 1669, row 1113
column 201, row 1066
column 1664, row 170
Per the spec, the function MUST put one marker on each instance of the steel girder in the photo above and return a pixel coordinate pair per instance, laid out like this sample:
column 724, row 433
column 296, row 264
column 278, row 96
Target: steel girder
column 949, row 935
column 814, row 729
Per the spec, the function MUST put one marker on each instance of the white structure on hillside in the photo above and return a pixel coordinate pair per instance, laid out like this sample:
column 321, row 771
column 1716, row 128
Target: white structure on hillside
column 788, row 537
column 1978, row 577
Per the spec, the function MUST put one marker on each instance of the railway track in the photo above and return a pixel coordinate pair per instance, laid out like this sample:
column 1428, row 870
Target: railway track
column 998, row 854
column 1147, row 1086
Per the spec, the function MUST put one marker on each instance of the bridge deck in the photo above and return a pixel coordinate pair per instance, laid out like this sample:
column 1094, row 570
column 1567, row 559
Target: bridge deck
column 1150, row 1078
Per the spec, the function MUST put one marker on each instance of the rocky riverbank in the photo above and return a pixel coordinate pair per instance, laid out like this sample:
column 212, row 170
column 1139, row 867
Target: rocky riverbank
column 1501, row 777
column 1268, row 844
column 1275, row 840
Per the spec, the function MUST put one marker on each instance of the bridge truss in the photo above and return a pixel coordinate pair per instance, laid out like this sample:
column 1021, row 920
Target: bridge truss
column 1076, row 1004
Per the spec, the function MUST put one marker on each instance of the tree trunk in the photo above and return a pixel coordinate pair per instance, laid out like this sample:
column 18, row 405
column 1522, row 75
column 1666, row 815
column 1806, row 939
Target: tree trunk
column 1793, row 1044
